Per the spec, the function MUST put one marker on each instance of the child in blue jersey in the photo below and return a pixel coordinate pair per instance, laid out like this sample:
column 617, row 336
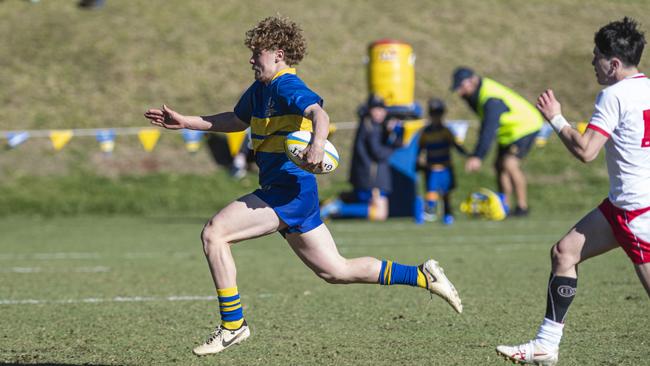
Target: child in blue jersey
column 277, row 103
column 435, row 144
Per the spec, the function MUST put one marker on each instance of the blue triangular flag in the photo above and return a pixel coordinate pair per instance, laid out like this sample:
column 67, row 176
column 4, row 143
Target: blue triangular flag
column 16, row 138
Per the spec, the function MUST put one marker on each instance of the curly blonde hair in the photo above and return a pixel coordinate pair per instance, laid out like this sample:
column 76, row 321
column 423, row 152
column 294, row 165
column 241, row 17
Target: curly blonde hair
column 278, row 33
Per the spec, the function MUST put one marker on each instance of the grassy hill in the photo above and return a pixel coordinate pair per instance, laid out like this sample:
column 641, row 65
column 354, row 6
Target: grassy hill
column 62, row 67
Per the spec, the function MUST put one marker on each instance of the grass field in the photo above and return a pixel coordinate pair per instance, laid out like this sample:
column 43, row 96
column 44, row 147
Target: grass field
column 136, row 291
column 100, row 259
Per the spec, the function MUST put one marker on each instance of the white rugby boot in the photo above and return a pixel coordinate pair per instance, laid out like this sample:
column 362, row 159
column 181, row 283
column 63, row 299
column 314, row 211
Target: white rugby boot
column 531, row 353
column 438, row 284
column 221, row 339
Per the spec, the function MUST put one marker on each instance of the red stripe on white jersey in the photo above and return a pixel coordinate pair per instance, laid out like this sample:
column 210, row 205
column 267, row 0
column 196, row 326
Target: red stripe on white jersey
column 598, row 129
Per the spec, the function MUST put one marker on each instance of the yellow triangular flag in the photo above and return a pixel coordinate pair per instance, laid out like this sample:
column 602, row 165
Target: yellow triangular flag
column 148, row 138
column 235, row 140
column 60, row 138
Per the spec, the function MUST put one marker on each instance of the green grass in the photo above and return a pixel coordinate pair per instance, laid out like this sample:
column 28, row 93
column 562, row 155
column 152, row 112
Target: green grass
column 500, row 270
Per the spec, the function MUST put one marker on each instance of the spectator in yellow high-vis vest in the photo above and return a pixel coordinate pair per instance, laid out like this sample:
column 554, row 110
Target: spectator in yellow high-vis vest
column 510, row 119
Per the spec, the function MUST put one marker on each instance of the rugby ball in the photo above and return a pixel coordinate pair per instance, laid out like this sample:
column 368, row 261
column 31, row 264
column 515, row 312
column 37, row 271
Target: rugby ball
column 297, row 141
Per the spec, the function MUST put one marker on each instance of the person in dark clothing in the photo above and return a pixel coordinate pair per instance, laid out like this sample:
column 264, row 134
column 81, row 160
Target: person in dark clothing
column 376, row 139
column 506, row 117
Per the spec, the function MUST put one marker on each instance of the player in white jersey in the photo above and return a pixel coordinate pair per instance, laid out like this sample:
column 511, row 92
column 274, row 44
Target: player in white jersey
column 621, row 123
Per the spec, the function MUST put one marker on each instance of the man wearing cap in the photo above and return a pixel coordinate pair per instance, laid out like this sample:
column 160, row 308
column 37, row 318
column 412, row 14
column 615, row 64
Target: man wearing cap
column 508, row 117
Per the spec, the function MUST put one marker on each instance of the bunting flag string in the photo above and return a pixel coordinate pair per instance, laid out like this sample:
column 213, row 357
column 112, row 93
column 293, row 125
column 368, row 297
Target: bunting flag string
column 149, row 136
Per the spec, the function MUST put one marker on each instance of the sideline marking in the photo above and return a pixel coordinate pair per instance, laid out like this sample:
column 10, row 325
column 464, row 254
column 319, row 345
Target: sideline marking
column 93, row 255
column 98, row 269
column 97, row 300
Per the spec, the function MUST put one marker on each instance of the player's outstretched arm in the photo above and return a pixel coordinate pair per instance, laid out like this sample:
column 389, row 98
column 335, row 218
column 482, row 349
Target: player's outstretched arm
column 170, row 119
column 584, row 147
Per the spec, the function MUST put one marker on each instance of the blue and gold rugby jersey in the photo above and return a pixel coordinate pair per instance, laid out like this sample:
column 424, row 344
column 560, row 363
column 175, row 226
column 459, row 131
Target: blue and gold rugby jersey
column 437, row 142
column 273, row 111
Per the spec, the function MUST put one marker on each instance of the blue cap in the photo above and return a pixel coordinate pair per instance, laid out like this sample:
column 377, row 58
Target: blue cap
column 461, row 73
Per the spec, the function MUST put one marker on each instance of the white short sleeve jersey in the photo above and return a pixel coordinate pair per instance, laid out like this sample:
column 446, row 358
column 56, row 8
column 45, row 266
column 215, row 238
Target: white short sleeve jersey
column 622, row 113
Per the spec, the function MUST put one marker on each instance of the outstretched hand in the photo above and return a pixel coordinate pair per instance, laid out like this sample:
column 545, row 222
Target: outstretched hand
column 166, row 118
column 548, row 105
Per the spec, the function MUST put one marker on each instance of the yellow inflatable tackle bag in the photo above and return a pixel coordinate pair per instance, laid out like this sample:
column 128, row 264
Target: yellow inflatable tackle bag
column 484, row 204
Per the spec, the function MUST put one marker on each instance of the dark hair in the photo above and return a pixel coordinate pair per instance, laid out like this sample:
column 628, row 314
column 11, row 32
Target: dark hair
column 436, row 106
column 621, row 39
column 278, row 33
column 374, row 100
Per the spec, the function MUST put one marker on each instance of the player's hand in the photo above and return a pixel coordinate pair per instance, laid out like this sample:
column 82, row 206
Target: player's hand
column 548, row 105
column 166, row 118
column 473, row 164
column 312, row 157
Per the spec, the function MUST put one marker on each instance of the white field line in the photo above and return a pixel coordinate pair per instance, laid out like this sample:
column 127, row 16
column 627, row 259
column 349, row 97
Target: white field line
column 91, row 255
column 97, row 269
column 96, row 300
column 121, row 299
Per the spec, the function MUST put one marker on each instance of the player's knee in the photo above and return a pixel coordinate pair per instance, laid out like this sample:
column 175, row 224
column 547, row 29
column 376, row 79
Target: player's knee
column 211, row 236
column 562, row 257
column 510, row 163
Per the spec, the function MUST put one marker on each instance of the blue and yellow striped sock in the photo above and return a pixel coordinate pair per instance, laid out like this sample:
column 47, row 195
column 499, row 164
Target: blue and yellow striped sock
column 392, row 273
column 232, row 314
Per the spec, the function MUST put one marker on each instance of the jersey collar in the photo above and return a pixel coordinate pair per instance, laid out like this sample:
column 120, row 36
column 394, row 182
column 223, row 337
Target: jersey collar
column 637, row 76
column 289, row 70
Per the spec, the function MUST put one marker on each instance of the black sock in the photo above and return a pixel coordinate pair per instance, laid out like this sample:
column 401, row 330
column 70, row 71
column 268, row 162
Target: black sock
column 561, row 291
column 445, row 199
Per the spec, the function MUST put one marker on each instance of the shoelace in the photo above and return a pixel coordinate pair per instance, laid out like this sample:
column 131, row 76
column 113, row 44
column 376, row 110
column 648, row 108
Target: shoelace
column 214, row 335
